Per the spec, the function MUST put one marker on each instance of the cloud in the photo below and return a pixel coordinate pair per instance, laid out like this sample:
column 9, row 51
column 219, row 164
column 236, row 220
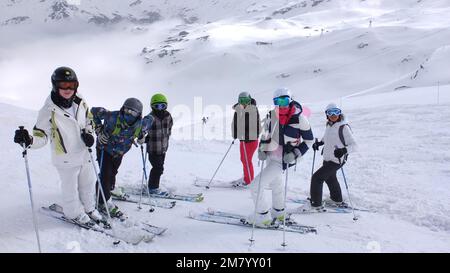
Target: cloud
column 107, row 63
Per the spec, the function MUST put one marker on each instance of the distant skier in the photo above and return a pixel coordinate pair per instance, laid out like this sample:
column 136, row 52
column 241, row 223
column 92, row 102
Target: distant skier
column 338, row 142
column 65, row 120
column 158, row 141
column 115, row 136
column 246, row 127
column 286, row 137
column 204, row 119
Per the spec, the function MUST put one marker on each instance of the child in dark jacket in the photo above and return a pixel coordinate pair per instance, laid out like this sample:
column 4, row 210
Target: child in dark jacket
column 158, row 140
column 115, row 136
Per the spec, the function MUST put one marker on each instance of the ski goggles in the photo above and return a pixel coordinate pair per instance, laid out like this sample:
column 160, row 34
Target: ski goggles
column 282, row 101
column 67, row 85
column 245, row 100
column 131, row 112
column 333, row 112
column 160, row 106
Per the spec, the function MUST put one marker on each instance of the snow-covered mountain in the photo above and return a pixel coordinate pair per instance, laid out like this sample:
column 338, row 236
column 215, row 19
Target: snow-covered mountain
column 147, row 11
column 317, row 48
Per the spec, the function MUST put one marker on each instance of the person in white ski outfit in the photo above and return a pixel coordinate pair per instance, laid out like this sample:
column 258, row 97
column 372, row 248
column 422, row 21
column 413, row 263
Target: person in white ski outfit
column 338, row 142
column 66, row 121
column 286, row 137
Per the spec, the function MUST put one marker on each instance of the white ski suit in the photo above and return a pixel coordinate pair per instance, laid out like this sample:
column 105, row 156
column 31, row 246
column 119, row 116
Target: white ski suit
column 70, row 156
column 298, row 133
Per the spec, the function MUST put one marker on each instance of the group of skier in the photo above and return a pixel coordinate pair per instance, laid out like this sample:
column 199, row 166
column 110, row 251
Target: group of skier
column 285, row 137
column 281, row 139
column 67, row 122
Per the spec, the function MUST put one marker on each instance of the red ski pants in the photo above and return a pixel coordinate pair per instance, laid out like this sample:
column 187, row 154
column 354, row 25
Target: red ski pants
column 250, row 148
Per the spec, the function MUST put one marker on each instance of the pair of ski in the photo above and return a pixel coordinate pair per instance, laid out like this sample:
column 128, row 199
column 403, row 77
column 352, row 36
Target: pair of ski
column 328, row 207
column 202, row 183
column 124, row 232
column 222, row 217
column 133, row 195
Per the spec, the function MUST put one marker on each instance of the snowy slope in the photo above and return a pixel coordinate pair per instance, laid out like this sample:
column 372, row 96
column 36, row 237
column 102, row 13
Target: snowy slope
column 401, row 172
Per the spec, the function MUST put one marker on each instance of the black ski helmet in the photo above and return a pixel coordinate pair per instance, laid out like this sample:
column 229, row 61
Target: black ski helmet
column 133, row 104
column 64, row 74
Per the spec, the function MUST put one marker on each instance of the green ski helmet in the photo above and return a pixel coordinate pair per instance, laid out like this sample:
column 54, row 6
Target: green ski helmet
column 158, row 101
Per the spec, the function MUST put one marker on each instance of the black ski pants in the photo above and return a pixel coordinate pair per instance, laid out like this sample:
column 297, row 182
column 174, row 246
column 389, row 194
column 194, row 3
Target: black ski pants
column 109, row 166
column 157, row 161
column 327, row 174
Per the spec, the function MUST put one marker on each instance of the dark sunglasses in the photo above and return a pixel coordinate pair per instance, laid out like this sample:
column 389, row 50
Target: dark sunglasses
column 67, row 85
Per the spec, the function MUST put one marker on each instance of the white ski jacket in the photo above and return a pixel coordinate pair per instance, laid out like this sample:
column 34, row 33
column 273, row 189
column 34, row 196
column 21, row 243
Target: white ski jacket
column 64, row 132
column 332, row 140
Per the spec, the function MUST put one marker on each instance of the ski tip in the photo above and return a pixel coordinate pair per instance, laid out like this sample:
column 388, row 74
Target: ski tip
column 145, row 239
column 149, row 238
column 192, row 214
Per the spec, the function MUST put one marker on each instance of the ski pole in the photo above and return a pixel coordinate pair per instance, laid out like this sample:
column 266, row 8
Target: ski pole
column 30, row 190
column 348, row 192
column 284, row 213
column 252, row 240
column 214, row 175
column 246, row 161
column 144, row 176
column 103, row 195
column 314, row 160
column 101, row 168
column 100, row 185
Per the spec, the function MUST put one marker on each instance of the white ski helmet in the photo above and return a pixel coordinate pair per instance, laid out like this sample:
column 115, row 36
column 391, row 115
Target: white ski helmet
column 282, row 92
column 331, row 106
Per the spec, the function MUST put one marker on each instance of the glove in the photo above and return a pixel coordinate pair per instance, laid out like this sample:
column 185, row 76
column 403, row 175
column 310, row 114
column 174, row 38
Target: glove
column 316, row 145
column 21, row 136
column 102, row 137
column 289, row 158
column 340, row 152
column 141, row 139
column 262, row 155
column 99, row 129
column 87, row 138
column 288, row 148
